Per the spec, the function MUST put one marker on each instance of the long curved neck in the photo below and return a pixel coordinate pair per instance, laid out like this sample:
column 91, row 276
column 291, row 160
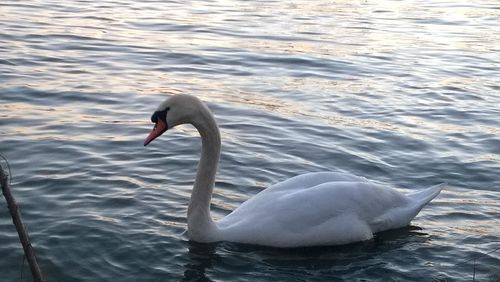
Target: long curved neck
column 200, row 224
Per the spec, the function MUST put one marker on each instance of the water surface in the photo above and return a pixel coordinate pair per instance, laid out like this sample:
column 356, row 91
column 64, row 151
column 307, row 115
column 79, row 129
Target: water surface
column 402, row 92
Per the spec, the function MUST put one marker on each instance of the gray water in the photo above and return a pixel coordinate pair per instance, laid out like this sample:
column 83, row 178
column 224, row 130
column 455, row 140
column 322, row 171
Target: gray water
column 401, row 92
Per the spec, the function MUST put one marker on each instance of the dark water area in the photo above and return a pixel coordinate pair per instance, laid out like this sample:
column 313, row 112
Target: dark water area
column 401, row 92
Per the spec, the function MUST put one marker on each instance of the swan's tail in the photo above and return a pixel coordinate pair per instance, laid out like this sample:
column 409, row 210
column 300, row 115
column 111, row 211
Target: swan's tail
column 421, row 198
column 402, row 216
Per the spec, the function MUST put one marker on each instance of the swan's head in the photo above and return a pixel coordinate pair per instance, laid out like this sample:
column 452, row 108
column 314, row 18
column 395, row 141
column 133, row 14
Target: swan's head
column 176, row 110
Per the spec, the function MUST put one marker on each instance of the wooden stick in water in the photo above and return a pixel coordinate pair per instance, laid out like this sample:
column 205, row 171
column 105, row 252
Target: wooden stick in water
column 23, row 235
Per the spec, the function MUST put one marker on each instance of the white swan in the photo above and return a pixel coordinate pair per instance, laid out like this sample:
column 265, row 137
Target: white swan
column 323, row 208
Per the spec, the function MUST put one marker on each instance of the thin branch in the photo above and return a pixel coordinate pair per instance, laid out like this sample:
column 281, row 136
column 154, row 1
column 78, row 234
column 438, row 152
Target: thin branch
column 21, row 231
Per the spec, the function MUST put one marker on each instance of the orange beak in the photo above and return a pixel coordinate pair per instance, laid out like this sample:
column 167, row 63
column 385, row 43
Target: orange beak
column 159, row 128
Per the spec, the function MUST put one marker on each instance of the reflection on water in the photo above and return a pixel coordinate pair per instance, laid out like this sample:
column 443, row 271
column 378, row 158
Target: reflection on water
column 203, row 257
column 401, row 92
column 200, row 257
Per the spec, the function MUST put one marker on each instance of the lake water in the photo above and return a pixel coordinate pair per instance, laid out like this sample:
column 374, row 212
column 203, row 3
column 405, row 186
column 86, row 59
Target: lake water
column 401, row 92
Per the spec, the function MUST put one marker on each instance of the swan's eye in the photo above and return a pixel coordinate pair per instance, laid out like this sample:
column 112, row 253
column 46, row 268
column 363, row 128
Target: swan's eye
column 160, row 115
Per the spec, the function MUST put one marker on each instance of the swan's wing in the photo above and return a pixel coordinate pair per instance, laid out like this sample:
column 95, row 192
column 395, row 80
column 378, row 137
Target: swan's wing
column 312, row 179
column 329, row 213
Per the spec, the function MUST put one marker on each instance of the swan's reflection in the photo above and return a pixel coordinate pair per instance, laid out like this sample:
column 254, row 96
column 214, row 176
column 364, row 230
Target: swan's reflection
column 200, row 257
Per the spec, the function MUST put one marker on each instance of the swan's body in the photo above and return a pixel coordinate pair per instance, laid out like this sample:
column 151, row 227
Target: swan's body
column 322, row 208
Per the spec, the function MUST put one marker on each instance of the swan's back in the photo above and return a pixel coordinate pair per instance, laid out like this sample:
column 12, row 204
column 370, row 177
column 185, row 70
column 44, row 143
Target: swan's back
column 306, row 180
